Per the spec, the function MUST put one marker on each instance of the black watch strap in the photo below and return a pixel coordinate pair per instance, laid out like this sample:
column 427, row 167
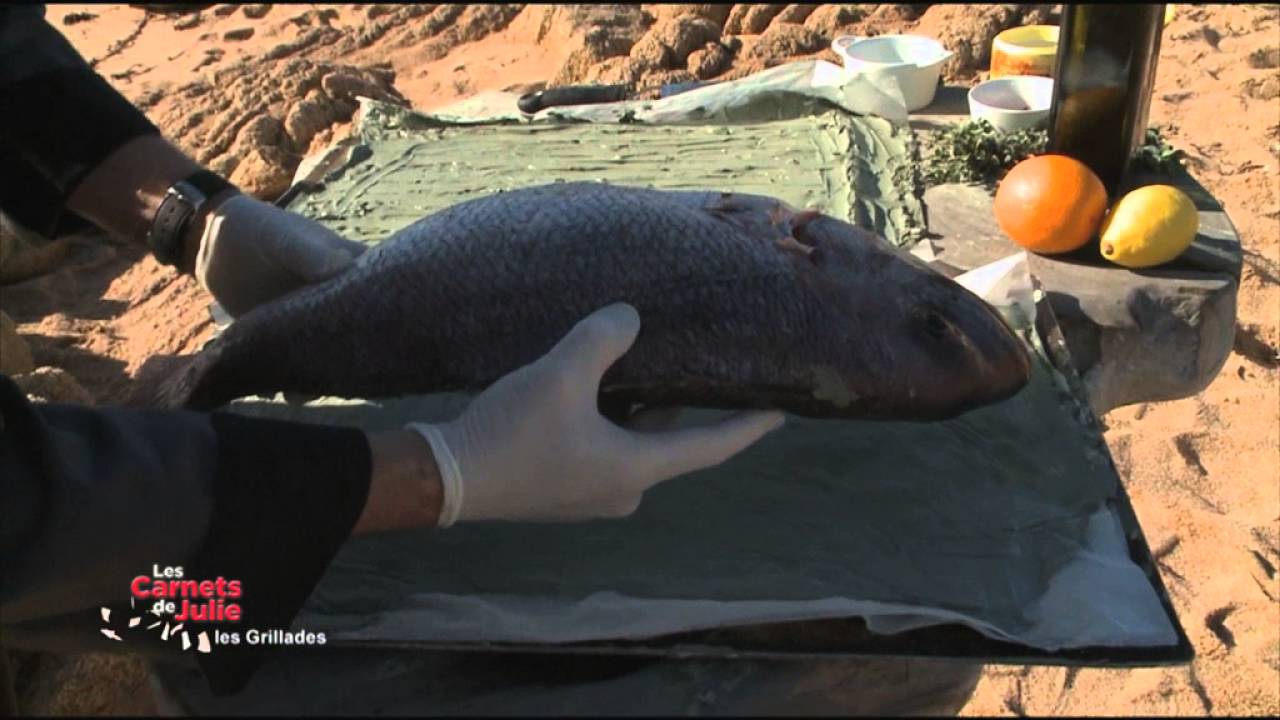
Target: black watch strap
column 181, row 204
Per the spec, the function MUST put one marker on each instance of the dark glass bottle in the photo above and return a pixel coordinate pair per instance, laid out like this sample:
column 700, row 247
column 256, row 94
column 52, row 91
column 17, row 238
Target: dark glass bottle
column 1105, row 70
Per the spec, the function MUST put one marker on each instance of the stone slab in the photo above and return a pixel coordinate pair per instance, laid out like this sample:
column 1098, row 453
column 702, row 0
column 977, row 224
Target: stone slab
column 950, row 105
column 1135, row 335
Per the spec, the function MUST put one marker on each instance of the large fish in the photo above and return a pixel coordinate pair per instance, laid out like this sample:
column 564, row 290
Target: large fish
column 743, row 302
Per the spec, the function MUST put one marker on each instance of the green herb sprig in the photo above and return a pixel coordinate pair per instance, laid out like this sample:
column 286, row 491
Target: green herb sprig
column 976, row 152
column 1156, row 155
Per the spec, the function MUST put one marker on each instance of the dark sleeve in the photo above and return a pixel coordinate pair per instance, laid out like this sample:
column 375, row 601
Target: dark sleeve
column 59, row 117
column 92, row 498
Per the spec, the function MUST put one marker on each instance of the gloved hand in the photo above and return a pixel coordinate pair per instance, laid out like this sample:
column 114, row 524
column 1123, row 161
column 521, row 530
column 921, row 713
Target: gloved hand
column 534, row 447
column 252, row 252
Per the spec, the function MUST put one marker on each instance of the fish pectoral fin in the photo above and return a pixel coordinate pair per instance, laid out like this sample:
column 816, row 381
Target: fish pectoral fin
column 802, row 219
column 779, row 213
column 794, row 246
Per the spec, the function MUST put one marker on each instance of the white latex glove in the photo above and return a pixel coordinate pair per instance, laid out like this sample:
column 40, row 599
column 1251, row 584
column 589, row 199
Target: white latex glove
column 534, row 447
column 252, row 252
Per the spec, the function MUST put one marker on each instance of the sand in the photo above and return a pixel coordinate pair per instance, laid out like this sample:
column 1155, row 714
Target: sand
column 249, row 90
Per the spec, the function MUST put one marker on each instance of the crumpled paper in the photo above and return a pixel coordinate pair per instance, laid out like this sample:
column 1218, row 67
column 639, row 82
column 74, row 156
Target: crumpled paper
column 1006, row 285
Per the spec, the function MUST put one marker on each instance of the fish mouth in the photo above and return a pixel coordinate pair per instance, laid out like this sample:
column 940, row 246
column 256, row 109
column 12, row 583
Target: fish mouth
column 1005, row 358
column 972, row 354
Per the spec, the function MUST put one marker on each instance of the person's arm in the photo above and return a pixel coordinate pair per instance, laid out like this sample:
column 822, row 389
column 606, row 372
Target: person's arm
column 91, row 498
column 60, row 117
column 404, row 490
column 102, row 159
column 123, row 191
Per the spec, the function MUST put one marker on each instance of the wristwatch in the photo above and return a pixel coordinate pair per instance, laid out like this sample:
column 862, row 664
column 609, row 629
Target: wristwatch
column 182, row 204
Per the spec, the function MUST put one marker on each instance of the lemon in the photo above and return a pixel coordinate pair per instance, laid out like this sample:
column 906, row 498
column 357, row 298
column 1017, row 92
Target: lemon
column 1149, row 226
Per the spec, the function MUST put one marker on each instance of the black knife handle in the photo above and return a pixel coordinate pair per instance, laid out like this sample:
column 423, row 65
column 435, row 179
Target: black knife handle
column 571, row 95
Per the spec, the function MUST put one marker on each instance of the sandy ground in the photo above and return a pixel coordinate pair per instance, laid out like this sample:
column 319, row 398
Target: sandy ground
column 250, row 89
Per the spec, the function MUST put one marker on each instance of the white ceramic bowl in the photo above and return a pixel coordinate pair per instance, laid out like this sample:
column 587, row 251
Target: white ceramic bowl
column 1012, row 103
column 914, row 61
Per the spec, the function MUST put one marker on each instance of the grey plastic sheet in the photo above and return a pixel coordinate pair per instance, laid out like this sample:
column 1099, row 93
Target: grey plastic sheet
column 779, row 93
column 848, row 167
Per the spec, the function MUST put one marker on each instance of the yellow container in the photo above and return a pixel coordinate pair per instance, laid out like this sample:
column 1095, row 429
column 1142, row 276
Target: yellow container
column 1026, row 50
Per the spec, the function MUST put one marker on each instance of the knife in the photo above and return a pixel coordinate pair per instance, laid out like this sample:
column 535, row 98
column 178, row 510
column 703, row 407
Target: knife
column 530, row 103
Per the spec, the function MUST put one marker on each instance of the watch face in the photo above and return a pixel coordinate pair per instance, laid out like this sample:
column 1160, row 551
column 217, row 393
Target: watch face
column 188, row 193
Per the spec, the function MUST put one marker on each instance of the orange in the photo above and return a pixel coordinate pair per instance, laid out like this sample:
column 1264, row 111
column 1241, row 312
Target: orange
column 1050, row 204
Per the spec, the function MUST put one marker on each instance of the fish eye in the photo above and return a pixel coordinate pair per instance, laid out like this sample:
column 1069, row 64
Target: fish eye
column 936, row 325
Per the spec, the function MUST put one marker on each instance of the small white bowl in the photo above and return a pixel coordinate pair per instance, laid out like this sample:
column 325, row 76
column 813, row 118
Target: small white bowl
column 914, row 62
column 1012, row 103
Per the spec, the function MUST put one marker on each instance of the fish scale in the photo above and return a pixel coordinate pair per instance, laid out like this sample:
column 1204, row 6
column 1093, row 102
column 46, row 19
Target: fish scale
column 743, row 303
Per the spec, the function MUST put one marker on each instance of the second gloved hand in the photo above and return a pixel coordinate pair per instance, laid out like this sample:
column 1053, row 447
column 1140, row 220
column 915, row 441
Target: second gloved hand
column 534, row 447
column 252, row 252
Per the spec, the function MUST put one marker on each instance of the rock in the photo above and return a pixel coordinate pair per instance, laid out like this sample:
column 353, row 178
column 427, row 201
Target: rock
column 243, row 33
column 900, row 12
column 783, row 41
column 717, row 13
column 211, row 56
column 654, row 81
column 599, row 44
column 33, row 260
column 1264, row 58
column 170, row 8
column 649, row 52
column 967, row 30
column 225, row 10
column 262, row 130
column 77, row 17
column 25, row 254
column 1141, row 338
column 265, row 172
column 224, row 165
column 617, row 71
column 350, row 84
column 187, row 22
column 1268, row 89
column 52, row 385
column 240, row 108
column 829, row 19
column 382, row 73
column 256, row 11
column 671, row 77
column 795, row 13
column 709, row 61
column 103, row 683
column 751, row 18
column 308, row 117
column 15, row 356
column 684, row 34
column 377, row 10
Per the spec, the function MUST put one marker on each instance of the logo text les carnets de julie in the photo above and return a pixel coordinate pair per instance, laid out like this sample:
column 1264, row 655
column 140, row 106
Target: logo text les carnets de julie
column 188, row 600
